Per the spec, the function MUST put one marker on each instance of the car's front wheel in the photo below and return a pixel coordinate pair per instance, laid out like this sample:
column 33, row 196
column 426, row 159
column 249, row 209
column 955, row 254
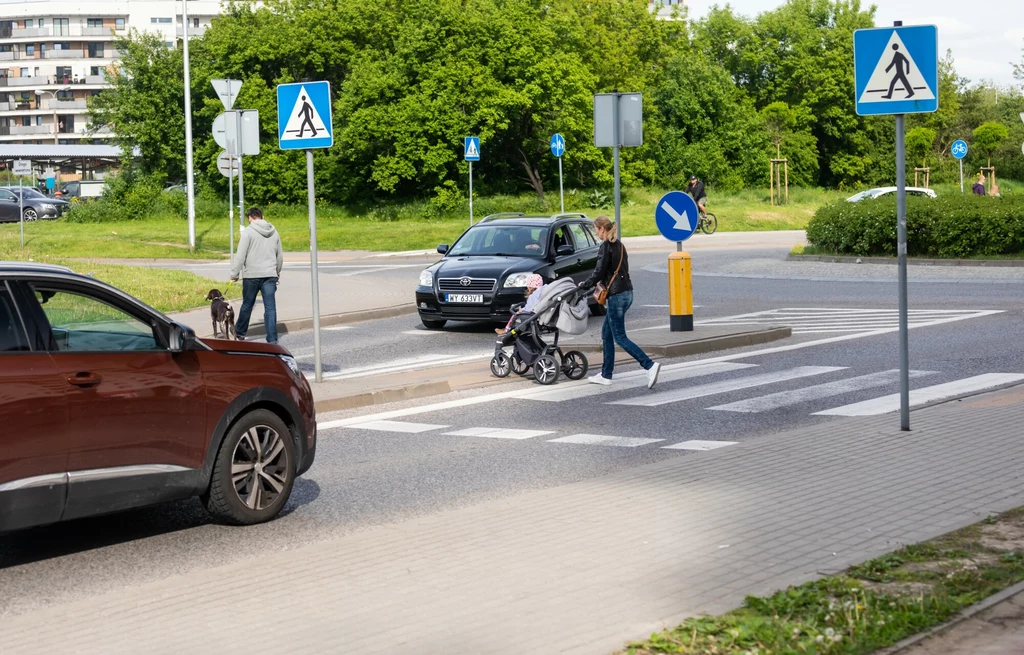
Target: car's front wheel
column 30, row 214
column 254, row 472
column 433, row 325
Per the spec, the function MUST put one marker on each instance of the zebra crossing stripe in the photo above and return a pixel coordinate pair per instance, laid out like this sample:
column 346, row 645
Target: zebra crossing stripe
column 796, row 396
column 396, row 426
column 631, row 380
column 697, row 444
column 725, row 386
column 891, row 403
column 499, row 433
column 604, row 440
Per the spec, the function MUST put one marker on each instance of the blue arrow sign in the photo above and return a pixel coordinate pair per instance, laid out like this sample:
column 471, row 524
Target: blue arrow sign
column 896, row 70
column 304, row 116
column 557, row 145
column 472, row 148
column 959, row 149
column 676, row 216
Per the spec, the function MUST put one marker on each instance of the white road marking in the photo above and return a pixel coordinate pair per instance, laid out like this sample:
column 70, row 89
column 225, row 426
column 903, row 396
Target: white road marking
column 499, row 433
column 633, row 380
column 399, row 365
column 397, row 426
column 423, row 333
column 811, row 320
column 406, row 253
column 697, row 444
column 603, row 440
column 891, row 403
column 337, row 328
column 725, row 386
column 796, row 396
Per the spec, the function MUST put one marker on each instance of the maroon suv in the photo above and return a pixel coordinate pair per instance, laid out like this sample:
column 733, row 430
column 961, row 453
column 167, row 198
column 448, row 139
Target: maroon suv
column 107, row 404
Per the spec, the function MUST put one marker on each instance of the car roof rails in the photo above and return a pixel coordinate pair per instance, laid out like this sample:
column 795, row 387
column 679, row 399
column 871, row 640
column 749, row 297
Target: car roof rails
column 571, row 215
column 492, row 217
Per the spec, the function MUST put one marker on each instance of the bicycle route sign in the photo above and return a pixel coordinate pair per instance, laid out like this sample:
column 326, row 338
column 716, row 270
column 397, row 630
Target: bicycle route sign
column 557, row 145
column 896, row 70
column 304, row 116
column 959, row 149
column 676, row 216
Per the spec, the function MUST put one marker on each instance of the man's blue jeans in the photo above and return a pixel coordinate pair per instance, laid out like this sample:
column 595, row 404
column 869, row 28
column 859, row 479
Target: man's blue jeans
column 266, row 287
column 614, row 332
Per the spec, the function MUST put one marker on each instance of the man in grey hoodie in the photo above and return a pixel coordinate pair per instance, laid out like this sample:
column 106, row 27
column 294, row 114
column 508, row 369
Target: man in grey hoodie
column 258, row 262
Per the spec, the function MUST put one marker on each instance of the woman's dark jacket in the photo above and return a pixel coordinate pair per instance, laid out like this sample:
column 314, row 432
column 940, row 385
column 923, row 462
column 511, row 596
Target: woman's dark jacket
column 607, row 262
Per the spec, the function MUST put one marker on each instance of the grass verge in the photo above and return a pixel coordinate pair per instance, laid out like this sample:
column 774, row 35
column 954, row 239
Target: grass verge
column 870, row 606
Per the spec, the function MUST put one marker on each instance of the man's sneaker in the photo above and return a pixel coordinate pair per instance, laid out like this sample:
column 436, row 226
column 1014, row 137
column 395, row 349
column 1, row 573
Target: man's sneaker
column 242, row 338
column 652, row 375
column 599, row 379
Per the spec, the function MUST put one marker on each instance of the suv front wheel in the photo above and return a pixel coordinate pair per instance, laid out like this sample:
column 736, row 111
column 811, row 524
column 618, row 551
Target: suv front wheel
column 254, row 472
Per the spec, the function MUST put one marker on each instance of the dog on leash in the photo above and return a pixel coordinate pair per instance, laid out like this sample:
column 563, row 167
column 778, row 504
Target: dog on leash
column 222, row 314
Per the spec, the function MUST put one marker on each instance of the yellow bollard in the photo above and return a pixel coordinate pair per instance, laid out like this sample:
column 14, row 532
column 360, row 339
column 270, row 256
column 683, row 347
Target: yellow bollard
column 680, row 292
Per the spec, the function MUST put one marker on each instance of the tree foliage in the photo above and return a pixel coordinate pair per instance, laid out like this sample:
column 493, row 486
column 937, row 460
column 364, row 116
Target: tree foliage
column 988, row 136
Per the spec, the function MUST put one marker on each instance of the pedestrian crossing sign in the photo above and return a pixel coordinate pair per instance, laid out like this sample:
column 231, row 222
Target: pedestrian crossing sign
column 472, row 148
column 304, row 116
column 896, row 70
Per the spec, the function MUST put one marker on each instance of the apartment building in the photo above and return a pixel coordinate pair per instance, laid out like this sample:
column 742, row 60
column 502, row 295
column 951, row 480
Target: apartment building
column 55, row 55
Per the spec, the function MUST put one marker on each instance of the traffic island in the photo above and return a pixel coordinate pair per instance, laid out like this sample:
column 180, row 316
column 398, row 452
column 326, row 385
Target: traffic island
column 662, row 342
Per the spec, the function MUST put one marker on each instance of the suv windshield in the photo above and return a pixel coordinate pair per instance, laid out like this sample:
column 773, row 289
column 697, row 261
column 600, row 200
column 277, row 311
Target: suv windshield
column 497, row 240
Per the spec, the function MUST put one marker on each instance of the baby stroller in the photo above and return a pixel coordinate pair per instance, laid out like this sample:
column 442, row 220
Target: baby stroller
column 562, row 307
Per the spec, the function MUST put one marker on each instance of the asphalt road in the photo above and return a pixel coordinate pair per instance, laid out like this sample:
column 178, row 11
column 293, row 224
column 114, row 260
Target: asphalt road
column 370, row 473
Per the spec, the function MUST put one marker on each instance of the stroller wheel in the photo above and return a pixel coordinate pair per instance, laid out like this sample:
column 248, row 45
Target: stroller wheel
column 501, row 365
column 546, row 370
column 519, row 367
column 575, row 365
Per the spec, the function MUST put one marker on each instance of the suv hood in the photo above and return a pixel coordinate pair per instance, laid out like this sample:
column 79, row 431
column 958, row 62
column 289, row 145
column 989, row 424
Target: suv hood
column 255, row 347
column 486, row 267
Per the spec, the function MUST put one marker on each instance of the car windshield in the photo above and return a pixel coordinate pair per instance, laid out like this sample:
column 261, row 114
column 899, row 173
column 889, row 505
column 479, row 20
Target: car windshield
column 502, row 240
column 864, row 195
column 30, row 193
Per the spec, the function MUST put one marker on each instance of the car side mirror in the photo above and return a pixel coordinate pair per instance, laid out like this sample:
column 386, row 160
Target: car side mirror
column 564, row 251
column 180, row 338
column 443, row 248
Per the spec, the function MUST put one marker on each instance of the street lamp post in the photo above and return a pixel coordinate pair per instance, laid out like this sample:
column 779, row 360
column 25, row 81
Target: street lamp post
column 53, row 94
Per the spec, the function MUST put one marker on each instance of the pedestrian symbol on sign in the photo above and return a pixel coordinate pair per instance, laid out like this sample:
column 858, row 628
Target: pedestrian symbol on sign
column 304, row 121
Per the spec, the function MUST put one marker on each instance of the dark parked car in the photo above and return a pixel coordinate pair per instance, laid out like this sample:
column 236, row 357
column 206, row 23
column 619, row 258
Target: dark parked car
column 37, row 205
column 107, row 404
column 484, row 273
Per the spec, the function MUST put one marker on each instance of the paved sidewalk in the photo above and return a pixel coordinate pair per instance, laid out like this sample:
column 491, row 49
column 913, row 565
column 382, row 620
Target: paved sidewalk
column 583, row 567
column 998, row 630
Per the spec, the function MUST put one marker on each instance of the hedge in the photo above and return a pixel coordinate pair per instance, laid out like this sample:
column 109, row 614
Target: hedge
column 954, row 226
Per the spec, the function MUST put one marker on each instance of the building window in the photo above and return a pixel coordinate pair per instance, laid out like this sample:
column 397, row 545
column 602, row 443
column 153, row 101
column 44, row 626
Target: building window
column 29, row 23
column 24, row 72
column 42, row 22
column 30, row 50
column 66, row 94
column 95, row 70
column 195, row 22
column 169, row 44
column 26, row 121
column 94, row 22
column 66, row 45
column 160, row 20
column 61, row 27
column 95, row 50
column 39, row 120
column 119, row 24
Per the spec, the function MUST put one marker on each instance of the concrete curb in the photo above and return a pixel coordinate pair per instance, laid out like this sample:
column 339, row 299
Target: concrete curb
column 381, row 396
column 701, row 346
column 327, row 320
column 842, row 259
column 964, row 615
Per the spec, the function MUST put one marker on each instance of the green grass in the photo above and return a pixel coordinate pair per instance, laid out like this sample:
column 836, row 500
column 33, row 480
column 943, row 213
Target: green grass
column 400, row 227
column 869, row 606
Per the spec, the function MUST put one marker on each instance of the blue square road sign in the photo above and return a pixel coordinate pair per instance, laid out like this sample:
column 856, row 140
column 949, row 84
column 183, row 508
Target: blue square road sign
column 472, row 148
column 304, row 116
column 896, row 70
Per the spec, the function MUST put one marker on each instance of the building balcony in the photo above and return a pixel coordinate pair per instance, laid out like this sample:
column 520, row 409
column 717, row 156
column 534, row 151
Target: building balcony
column 60, row 105
column 51, row 32
column 192, row 31
column 20, row 130
column 65, row 54
column 24, row 81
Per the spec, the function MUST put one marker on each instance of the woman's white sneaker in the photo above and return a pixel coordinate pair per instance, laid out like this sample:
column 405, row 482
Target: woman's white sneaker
column 599, row 379
column 652, row 375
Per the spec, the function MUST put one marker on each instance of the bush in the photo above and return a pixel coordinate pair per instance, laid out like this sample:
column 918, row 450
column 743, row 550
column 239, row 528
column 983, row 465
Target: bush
column 954, row 226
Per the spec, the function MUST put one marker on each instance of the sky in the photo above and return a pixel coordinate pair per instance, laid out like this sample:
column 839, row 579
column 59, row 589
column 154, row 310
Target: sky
column 984, row 37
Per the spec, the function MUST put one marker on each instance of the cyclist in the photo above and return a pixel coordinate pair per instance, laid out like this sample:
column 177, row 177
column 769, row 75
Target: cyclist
column 696, row 189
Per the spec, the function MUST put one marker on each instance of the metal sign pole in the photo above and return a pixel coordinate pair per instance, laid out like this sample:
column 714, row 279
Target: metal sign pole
column 231, row 207
column 615, row 155
column 901, row 263
column 961, row 176
column 561, row 190
column 313, row 267
column 241, row 185
column 189, row 174
column 21, row 208
column 471, row 193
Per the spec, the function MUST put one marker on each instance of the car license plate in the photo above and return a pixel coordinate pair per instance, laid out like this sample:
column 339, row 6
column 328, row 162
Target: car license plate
column 464, row 297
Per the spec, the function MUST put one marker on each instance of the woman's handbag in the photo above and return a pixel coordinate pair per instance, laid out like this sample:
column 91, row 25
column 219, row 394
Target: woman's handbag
column 600, row 290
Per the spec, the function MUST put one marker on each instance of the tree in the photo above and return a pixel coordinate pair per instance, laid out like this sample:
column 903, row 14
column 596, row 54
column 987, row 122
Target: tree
column 988, row 136
column 919, row 142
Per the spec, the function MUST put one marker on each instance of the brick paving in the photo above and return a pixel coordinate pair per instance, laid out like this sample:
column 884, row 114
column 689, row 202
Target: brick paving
column 584, row 567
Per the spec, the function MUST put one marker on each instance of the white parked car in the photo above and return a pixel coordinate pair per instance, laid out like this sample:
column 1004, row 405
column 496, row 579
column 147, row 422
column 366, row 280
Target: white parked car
column 871, row 194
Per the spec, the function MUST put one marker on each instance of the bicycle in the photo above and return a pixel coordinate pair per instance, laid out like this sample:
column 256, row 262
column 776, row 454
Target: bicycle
column 707, row 223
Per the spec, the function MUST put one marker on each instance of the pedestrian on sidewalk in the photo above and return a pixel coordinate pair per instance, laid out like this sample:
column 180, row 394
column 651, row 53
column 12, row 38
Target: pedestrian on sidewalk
column 613, row 272
column 258, row 262
column 979, row 187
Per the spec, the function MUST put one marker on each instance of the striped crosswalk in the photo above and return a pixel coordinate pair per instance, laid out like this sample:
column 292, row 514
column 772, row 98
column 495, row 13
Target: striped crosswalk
column 824, row 320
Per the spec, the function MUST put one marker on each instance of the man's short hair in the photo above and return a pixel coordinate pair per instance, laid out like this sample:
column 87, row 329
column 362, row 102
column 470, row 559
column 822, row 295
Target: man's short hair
column 255, row 212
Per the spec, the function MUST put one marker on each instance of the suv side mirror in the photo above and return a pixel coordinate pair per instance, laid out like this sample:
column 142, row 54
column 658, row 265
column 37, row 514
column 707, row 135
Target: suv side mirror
column 443, row 248
column 565, row 250
column 180, row 338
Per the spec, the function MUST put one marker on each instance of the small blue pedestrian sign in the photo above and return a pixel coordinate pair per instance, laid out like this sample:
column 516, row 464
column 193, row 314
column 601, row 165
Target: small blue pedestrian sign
column 472, row 148
column 896, row 70
column 959, row 149
column 304, row 116
column 676, row 216
column 557, row 145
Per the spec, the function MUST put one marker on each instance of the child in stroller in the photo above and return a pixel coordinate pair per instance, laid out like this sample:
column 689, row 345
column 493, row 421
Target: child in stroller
column 559, row 306
column 533, row 285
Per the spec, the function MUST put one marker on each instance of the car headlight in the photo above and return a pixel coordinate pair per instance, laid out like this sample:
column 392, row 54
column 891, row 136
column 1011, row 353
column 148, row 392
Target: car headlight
column 517, row 280
column 426, row 279
column 47, row 207
column 292, row 364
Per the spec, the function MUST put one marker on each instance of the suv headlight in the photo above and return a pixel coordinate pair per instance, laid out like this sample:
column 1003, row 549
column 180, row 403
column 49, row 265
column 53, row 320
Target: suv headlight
column 292, row 364
column 517, row 280
column 426, row 279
